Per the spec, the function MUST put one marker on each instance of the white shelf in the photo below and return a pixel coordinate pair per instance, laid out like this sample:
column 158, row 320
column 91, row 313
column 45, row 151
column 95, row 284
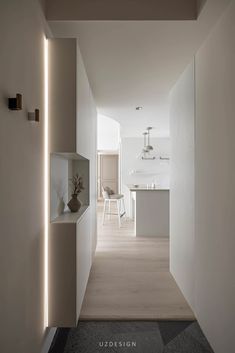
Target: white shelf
column 71, row 217
column 149, row 189
column 142, row 172
column 145, row 188
column 70, row 156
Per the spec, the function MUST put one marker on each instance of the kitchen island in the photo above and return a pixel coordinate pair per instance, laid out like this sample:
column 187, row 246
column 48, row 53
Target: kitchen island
column 150, row 209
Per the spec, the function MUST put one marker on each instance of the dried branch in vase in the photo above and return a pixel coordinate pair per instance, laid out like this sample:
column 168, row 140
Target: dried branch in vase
column 77, row 183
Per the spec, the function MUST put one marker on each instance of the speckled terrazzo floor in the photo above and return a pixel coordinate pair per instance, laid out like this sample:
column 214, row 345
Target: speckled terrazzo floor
column 135, row 337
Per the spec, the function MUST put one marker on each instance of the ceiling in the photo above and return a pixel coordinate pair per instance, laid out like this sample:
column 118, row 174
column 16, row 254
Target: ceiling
column 136, row 63
column 122, row 9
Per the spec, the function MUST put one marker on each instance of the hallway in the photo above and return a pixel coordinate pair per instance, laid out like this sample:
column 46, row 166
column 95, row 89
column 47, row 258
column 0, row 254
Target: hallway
column 130, row 278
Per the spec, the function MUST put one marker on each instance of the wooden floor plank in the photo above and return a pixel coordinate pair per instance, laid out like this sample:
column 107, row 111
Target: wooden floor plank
column 130, row 278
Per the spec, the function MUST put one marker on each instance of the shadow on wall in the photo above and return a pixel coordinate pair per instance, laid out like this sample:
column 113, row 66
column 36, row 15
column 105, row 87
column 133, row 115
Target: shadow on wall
column 200, row 5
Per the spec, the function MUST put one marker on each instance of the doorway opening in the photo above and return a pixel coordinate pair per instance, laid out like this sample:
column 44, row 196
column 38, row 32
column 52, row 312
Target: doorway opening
column 107, row 172
column 130, row 277
column 108, row 166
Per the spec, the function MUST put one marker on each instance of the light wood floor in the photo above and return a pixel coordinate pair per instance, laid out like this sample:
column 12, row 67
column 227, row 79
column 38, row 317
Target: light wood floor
column 130, row 278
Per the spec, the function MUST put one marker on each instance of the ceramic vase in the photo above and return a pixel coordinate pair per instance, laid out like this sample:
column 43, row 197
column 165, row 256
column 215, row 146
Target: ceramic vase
column 74, row 204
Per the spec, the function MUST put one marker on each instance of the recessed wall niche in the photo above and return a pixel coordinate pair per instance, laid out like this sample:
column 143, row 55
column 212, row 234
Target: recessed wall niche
column 63, row 167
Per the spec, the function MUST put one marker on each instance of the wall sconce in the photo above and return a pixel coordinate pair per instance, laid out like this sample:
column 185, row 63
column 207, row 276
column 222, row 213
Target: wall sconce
column 34, row 116
column 15, row 103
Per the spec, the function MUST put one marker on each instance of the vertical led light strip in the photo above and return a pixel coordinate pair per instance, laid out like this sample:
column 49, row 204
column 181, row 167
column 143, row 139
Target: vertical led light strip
column 46, row 184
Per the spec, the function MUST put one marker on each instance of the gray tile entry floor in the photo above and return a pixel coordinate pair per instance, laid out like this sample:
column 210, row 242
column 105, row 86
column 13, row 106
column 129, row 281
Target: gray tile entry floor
column 137, row 337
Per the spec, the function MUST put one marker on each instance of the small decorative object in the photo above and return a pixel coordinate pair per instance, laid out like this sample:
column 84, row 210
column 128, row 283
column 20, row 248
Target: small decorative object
column 59, row 187
column 61, row 206
column 34, row 116
column 164, row 158
column 15, row 103
column 74, row 204
column 109, row 190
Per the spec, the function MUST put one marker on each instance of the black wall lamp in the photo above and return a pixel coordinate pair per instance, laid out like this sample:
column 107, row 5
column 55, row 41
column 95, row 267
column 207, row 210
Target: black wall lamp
column 15, row 103
column 34, row 116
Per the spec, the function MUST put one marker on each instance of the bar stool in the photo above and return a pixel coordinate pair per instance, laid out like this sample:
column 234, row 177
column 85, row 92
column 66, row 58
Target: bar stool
column 116, row 198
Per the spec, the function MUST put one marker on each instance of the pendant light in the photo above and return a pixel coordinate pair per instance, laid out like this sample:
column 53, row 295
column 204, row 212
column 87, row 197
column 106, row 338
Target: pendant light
column 148, row 148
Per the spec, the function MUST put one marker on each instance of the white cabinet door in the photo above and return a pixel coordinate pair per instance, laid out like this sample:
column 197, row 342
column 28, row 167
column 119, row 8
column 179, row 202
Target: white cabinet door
column 84, row 258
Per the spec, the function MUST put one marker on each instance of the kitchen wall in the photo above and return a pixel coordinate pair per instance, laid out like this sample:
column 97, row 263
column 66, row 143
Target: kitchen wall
column 211, row 264
column 182, row 208
column 134, row 170
column 22, row 33
column 215, row 184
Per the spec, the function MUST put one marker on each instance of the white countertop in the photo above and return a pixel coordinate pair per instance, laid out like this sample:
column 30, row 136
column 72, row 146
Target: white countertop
column 145, row 188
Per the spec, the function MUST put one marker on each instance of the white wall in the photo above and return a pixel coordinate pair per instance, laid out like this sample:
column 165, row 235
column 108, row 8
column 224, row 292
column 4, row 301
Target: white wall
column 21, row 178
column 69, row 90
column 215, row 184
column 108, row 134
column 86, row 116
column 87, row 136
column 182, row 183
column 211, row 264
column 93, row 173
column 145, row 171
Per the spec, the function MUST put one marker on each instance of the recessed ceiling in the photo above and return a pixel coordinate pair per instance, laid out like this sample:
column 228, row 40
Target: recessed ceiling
column 122, row 9
column 136, row 63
